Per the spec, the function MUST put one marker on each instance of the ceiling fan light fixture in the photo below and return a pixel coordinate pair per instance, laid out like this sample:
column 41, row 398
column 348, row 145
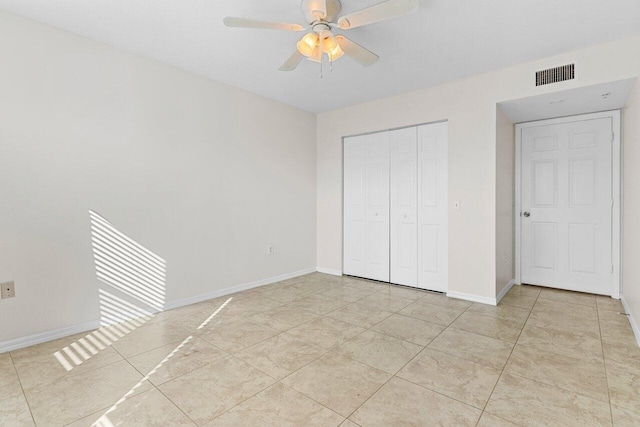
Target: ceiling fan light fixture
column 335, row 53
column 316, row 56
column 323, row 16
column 307, row 44
column 327, row 41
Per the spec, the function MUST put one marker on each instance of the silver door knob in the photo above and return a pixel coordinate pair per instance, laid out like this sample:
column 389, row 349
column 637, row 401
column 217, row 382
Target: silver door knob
column 526, row 214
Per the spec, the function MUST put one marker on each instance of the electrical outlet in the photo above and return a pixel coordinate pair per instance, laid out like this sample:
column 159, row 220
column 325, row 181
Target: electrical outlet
column 456, row 205
column 8, row 290
column 270, row 250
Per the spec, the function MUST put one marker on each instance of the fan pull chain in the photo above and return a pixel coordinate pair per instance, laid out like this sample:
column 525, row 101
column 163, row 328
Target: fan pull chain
column 330, row 63
column 320, row 65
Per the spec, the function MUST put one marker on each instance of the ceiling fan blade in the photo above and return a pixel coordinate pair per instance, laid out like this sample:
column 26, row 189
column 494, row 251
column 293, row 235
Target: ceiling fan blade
column 318, row 8
column 293, row 61
column 231, row 21
column 380, row 12
column 364, row 56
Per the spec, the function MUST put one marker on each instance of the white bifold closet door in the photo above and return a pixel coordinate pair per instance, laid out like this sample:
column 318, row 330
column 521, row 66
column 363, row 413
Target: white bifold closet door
column 404, row 206
column 433, row 187
column 395, row 206
column 366, row 206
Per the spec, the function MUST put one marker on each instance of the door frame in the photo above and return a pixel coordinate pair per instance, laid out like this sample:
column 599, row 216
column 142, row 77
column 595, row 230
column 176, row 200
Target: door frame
column 616, row 211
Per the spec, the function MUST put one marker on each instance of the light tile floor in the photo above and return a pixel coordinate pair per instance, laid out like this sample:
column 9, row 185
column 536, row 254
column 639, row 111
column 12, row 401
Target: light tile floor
column 320, row 350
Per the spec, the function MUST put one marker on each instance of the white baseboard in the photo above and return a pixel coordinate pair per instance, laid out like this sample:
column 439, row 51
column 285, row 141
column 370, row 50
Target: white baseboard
column 232, row 290
column 471, row 297
column 505, row 290
column 329, row 271
column 41, row 337
column 632, row 320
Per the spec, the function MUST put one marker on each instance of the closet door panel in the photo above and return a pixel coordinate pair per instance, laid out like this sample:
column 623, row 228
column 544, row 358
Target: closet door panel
column 404, row 209
column 366, row 206
column 433, row 207
column 377, row 206
column 354, row 246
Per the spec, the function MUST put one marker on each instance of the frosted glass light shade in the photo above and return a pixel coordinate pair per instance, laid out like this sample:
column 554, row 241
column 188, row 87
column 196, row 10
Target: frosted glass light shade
column 307, row 44
column 327, row 41
column 316, row 56
column 335, row 53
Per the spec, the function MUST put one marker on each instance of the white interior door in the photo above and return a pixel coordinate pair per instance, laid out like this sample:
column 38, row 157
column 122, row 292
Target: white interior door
column 433, row 206
column 566, row 204
column 366, row 206
column 404, row 207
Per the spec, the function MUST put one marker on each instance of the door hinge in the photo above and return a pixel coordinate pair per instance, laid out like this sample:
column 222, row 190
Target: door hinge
column 612, row 202
column 611, row 268
column 612, row 136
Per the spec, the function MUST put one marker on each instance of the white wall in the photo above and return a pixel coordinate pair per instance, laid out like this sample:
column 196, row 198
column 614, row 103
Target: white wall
column 204, row 175
column 470, row 107
column 631, row 206
column 505, row 189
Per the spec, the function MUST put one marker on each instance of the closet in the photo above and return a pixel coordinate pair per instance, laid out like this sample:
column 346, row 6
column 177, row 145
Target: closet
column 395, row 206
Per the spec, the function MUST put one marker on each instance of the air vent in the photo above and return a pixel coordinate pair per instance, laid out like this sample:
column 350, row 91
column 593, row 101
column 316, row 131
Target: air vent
column 555, row 75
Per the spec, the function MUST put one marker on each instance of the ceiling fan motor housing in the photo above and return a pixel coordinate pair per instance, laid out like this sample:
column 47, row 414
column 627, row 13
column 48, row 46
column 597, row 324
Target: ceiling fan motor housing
column 319, row 28
column 311, row 9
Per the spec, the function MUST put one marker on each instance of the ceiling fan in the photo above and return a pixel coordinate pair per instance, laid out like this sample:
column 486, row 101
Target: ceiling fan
column 322, row 17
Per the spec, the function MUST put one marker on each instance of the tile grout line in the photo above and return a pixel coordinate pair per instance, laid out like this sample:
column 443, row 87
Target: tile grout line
column 42, row 388
column 276, row 379
column 143, row 375
column 604, row 362
column 510, row 354
column 489, row 336
column 148, row 379
column 104, row 409
column 500, row 418
column 332, row 349
column 289, row 374
column 409, row 361
column 543, row 383
column 228, row 355
column 558, row 354
column 559, row 388
column 158, row 388
column 279, row 381
column 176, row 405
column 450, row 326
column 24, row 395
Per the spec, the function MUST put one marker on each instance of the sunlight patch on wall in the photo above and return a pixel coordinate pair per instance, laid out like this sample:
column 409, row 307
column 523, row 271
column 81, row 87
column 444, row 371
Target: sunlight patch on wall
column 127, row 266
column 132, row 288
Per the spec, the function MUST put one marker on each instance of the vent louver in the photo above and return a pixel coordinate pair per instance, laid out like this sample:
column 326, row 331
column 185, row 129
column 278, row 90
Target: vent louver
column 555, row 75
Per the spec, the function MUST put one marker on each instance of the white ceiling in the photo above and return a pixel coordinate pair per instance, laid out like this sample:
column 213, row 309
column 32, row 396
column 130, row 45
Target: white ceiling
column 444, row 41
